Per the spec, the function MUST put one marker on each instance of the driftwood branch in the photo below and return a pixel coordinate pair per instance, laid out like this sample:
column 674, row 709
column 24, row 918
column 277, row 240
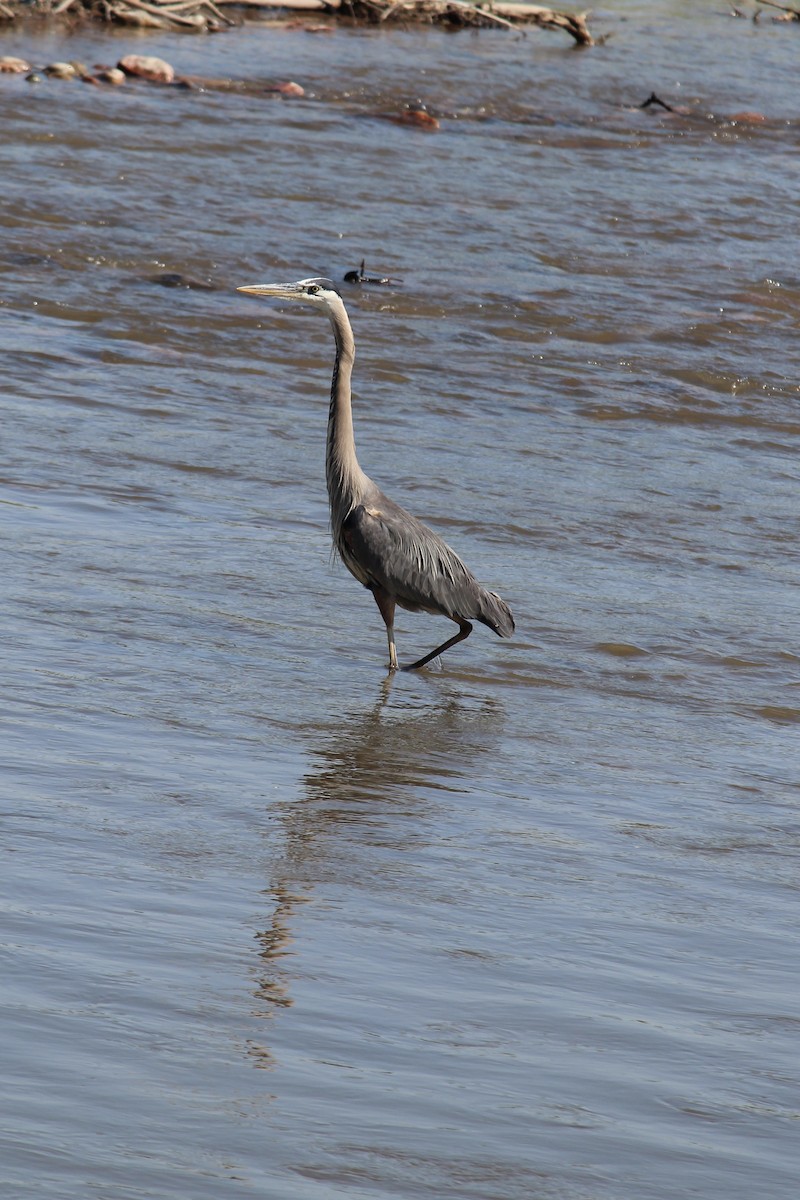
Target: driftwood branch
column 787, row 8
column 476, row 12
column 548, row 18
column 481, row 11
column 173, row 12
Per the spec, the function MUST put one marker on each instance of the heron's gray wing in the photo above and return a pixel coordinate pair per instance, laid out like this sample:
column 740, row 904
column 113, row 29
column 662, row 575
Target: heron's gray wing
column 392, row 550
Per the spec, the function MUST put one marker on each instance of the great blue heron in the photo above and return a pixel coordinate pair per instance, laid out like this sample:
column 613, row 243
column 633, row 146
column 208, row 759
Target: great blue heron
column 393, row 554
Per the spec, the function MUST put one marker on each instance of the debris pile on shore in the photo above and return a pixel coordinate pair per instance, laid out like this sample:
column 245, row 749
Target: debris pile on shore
column 460, row 13
column 193, row 16
column 207, row 16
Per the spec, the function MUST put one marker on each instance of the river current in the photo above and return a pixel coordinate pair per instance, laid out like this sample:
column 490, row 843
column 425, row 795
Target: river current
column 273, row 924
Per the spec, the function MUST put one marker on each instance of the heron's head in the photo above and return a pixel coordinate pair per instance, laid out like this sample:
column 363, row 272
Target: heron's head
column 322, row 293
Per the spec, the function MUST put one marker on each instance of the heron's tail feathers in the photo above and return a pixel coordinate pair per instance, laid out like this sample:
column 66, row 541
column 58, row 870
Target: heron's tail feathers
column 495, row 613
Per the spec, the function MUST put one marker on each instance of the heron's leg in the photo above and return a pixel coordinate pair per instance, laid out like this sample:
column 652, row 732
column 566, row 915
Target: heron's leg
column 386, row 604
column 392, row 649
column 465, row 629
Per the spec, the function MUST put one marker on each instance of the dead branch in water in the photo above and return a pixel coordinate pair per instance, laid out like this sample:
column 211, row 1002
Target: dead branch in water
column 653, row 99
column 792, row 13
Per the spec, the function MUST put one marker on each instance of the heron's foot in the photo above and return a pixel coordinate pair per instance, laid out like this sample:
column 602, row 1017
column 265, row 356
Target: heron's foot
column 464, row 630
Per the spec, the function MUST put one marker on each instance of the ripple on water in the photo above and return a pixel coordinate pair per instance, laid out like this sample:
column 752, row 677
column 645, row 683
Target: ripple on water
column 524, row 925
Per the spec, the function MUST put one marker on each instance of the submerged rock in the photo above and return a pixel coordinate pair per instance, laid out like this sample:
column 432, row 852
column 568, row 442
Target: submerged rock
column 144, row 66
column 61, row 70
column 287, row 87
column 111, row 75
column 417, row 117
column 13, row 66
column 173, row 279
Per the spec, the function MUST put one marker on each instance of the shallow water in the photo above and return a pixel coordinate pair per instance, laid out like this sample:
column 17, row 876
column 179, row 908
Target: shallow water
column 275, row 925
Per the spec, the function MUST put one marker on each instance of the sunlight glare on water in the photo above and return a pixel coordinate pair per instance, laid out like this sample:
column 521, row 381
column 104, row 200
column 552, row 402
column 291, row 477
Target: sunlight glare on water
column 274, row 924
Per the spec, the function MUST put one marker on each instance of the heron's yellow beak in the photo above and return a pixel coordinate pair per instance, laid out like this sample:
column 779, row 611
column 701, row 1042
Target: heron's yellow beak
column 284, row 290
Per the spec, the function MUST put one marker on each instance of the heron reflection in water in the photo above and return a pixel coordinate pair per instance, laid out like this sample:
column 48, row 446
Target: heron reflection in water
column 379, row 780
column 398, row 558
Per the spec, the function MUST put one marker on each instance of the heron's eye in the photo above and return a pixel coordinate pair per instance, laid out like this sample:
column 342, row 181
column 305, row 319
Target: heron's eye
column 313, row 289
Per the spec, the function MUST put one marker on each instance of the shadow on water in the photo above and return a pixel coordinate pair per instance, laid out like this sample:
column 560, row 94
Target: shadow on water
column 379, row 777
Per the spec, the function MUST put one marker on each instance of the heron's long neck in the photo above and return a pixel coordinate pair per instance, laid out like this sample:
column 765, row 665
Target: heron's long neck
column 344, row 475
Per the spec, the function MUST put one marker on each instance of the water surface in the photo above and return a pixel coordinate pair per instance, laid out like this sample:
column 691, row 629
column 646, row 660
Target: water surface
column 275, row 925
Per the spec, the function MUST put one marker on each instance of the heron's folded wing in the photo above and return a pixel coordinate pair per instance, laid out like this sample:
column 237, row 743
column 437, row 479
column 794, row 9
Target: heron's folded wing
column 395, row 551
